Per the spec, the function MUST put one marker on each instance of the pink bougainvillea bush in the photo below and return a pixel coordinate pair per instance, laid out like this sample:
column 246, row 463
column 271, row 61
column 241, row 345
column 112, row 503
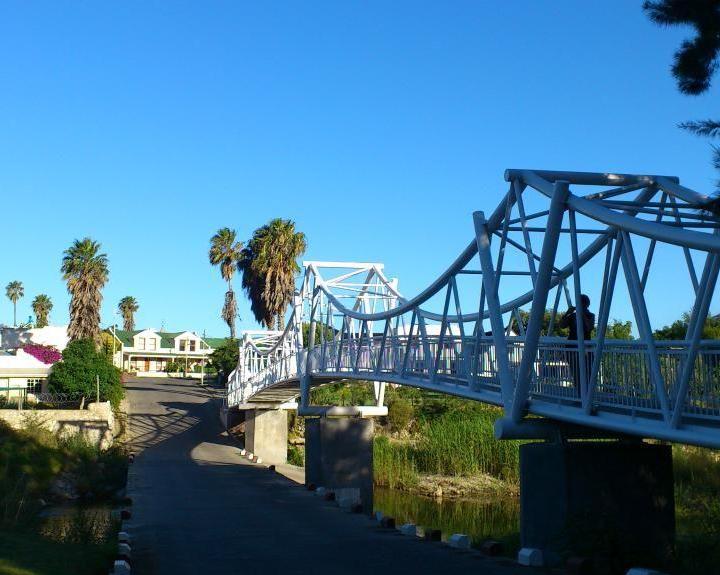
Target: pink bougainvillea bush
column 45, row 353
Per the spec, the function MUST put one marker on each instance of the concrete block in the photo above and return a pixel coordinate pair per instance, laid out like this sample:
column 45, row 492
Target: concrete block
column 320, row 491
column 243, row 452
column 249, row 455
column 459, row 541
column 409, row 529
column 432, row 534
column 643, row 571
column 124, row 551
column 530, row 557
column 346, row 497
column 124, row 537
column 121, row 567
column 257, row 459
column 266, row 434
column 491, row 548
column 346, row 503
column 578, row 566
column 577, row 491
column 338, row 454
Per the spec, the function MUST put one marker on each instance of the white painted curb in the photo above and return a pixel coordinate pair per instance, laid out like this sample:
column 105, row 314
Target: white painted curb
column 459, row 541
column 530, row 557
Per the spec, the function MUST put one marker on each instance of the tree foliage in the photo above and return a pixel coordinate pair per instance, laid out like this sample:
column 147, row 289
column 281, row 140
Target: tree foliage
column 617, row 329
column 81, row 363
column 14, row 291
column 85, row 270
column 42, row 306
column 269, row 267
column 678, row 329
column 696, row 60
column 226, row 252
column 224, row 358
column 127, row 307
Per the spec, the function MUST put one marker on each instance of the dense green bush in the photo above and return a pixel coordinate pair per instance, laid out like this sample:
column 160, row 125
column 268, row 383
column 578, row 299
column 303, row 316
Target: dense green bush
column 81, row 364
column 400, row 414
column 465, row 444
column 225, row 357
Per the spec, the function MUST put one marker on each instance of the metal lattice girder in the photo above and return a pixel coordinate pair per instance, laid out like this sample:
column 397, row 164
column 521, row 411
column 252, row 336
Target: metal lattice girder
column 594, row 228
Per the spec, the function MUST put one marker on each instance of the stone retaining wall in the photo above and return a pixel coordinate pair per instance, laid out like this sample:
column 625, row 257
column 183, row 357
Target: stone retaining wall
column 96, row 422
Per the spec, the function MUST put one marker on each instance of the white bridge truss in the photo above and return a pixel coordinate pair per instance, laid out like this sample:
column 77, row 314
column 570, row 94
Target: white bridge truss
column 554, row 236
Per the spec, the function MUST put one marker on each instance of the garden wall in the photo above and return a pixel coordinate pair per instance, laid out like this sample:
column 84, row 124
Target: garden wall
column 95, row 423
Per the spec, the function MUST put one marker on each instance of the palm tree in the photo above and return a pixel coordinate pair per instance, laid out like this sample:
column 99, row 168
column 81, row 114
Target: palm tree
column 42, row 306
column 269, row 266
column 14, row 291
column 225, row 252
column 85, row 270
column 127, row 307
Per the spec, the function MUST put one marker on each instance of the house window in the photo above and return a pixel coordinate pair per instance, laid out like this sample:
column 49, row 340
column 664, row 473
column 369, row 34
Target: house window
column 182, row 344
column 192, row 345
column 34, row 386
column 141, row 343
column 152, row 342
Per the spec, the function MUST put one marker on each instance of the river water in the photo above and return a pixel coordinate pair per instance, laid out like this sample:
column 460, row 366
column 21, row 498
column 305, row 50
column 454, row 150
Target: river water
column 491, row 518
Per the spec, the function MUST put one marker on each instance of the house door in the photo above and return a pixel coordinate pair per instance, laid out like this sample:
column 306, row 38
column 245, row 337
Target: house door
column 147, row 364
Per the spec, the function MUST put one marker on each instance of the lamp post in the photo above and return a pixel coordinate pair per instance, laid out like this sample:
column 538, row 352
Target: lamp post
column 114, row 332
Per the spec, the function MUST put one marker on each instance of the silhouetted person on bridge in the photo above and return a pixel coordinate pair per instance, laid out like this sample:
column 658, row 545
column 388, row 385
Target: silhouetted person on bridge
column 569, row 320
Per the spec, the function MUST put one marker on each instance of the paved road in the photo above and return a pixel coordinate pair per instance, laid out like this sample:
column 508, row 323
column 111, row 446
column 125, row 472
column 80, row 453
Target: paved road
column 199, row 508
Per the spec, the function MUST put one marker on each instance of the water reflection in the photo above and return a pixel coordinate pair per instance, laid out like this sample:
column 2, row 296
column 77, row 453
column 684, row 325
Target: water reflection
column 481, row 519
column 77, row 524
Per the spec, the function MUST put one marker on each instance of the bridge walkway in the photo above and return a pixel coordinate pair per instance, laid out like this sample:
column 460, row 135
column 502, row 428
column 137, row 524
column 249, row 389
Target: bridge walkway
column 201, row 508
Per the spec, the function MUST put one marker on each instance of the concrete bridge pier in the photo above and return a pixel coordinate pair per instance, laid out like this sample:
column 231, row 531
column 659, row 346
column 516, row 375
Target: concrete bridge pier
column 266, row 434
column 339, row 456
column 613, row 498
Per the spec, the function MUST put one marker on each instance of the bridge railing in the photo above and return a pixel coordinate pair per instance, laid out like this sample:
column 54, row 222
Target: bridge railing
column 619, row 379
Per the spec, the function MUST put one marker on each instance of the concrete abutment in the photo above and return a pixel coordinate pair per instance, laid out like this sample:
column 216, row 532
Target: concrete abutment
column 266, row 434
column 339, row 455
column 597, row 496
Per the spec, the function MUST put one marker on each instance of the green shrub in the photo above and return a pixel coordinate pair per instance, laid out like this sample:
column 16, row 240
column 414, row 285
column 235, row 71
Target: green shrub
column 400, row 414
column 465, row 444
column 296, row 455
column 393, row 463
column 81, row 364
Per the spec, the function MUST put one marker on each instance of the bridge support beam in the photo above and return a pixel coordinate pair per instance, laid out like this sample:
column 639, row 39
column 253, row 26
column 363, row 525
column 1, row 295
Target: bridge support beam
column 581, row 496
column 266, row 434
column 339, row 455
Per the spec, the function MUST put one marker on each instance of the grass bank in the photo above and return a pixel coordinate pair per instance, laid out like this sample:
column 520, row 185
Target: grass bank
column 36, row 469
column 431, row 443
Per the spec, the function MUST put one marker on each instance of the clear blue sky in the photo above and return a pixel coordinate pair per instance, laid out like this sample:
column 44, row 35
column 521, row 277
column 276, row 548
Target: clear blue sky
column 377, row 126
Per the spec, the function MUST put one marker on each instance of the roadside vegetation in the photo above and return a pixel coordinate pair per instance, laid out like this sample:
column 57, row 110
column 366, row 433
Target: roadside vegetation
column 83, row 365
column 39, row 472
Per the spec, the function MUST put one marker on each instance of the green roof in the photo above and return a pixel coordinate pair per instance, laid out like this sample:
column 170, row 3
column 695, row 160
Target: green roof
column 166, row 338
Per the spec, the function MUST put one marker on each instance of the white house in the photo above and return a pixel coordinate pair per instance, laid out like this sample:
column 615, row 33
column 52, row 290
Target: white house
column 51, row 335
column 20, row 372
column 148, row 351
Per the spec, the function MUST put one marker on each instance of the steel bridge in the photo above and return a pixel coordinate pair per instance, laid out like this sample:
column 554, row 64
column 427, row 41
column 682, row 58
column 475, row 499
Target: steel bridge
column 483, row 330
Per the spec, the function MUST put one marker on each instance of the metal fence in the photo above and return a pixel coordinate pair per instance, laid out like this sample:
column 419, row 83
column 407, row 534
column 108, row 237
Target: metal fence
column 21, row 399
